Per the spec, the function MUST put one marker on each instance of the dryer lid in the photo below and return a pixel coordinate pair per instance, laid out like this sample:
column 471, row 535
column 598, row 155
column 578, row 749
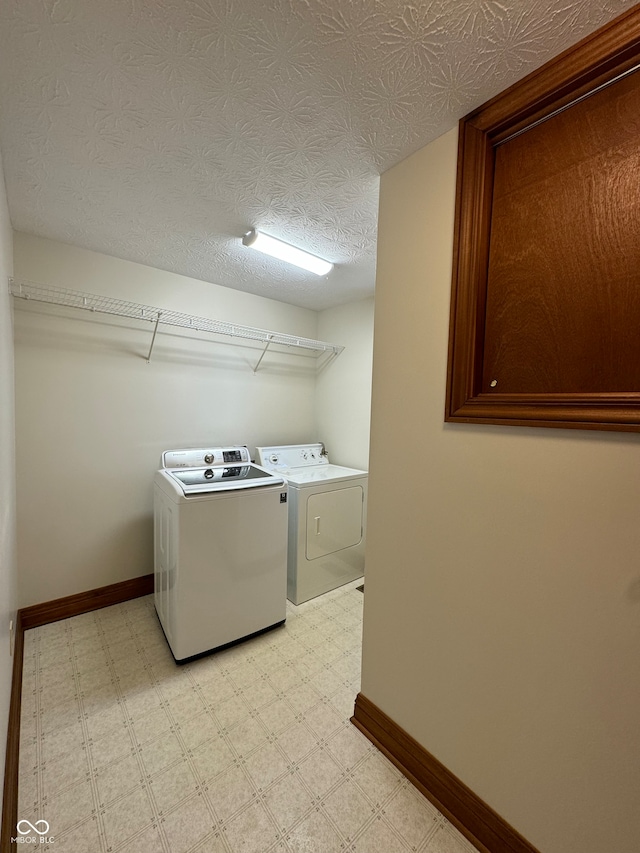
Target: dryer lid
column 304, row 463
column 321, row 474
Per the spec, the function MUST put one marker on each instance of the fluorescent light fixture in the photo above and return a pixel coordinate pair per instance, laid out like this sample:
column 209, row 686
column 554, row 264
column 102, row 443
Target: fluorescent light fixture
column 285, row 252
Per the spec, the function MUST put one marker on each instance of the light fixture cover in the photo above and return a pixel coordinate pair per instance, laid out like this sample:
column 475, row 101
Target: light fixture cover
column 285, row 252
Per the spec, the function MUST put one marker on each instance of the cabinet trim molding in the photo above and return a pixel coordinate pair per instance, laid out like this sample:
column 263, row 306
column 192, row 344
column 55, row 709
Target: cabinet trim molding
column 594, row 62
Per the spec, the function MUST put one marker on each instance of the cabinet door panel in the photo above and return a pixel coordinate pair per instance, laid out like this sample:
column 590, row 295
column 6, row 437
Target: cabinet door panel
column 563, row 290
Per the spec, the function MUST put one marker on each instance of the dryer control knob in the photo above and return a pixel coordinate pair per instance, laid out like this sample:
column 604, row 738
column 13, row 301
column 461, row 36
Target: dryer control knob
column 208, row 474
column 208, row 458
column 273, row 458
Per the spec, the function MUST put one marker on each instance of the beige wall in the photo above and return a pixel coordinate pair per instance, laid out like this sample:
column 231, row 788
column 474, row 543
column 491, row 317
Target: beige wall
column 343, row 399
column 502, row 614
column 93, row 416
column 8, row 597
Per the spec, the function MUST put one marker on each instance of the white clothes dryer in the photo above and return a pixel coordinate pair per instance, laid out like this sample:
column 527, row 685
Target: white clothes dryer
column 327, row 518
column 220, row 552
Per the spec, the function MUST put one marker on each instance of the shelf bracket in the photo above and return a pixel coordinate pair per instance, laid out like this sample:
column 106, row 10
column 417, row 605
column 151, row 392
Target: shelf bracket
column 327, row 361
column 264, row 352
column 153, row 339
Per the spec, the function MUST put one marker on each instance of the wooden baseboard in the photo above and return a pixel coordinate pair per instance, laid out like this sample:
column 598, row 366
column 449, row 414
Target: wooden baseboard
column 84, row 602
column 11, row 764
column 32, row 617
column 474, row 818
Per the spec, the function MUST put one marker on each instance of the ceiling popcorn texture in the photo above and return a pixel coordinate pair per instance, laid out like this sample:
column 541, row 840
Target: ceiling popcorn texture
column 160, row 131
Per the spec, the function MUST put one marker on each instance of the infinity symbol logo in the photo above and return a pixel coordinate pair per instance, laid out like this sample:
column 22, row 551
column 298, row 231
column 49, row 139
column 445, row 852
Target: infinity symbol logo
column 31, row 827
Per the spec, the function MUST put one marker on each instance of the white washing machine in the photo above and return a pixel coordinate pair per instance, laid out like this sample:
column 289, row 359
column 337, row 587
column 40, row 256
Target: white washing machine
column 220, row 552
column 327, row 518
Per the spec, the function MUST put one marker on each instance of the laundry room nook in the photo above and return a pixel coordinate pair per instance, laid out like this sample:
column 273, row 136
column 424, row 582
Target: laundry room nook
column 94, row 415
column 157, row 455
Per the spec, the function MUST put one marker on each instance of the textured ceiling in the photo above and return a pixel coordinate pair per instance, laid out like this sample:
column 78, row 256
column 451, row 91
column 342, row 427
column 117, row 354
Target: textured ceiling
column 161, row 130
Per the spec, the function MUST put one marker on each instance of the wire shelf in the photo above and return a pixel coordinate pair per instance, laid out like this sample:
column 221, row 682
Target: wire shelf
column 30, row 290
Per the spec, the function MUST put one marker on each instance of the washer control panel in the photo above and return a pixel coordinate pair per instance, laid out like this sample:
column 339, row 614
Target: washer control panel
column 292, row 456
column 201, row 457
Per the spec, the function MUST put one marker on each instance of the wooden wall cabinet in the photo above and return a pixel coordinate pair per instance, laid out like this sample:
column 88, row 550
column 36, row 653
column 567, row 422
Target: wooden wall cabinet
column 545, row 312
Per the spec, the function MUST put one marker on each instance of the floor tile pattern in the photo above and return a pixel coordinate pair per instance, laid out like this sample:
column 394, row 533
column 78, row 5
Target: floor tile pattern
column 249, row 750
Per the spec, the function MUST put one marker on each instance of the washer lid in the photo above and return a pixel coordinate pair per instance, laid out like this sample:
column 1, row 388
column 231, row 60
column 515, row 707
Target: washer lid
column 222, row 478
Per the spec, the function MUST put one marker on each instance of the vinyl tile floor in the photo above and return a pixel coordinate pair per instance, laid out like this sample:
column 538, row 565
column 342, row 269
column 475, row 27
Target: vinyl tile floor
column 248, row 750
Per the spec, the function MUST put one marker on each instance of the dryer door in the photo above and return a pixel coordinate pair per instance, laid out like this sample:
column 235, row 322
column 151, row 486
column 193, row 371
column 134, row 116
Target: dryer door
column 334, row 521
